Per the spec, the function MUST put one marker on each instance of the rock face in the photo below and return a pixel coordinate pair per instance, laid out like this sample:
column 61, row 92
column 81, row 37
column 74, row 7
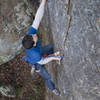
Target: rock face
column 75, row 27
column 7, row 91
column 15, row 19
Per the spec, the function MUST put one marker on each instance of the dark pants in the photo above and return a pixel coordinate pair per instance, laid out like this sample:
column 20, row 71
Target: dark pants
column 43, row 73
column 48, row 49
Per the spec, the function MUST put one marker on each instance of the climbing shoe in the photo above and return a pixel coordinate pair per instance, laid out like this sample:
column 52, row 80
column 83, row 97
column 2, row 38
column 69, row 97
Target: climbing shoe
column 60, row 58
column 57, row 53
column 56, row 92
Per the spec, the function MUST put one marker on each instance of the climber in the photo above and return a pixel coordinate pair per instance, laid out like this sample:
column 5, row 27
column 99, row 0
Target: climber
column 34, row 51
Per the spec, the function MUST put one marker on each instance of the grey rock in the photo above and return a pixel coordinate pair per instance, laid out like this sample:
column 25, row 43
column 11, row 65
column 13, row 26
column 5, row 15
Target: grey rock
column 75, row 26
column 7, row 91
column 15, row 19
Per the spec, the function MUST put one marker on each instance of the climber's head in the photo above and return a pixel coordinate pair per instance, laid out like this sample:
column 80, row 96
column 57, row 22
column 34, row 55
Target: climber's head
column 29, row 41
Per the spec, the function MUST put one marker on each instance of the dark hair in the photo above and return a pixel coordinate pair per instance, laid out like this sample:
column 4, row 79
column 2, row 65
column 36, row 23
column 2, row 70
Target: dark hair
column 28, row 42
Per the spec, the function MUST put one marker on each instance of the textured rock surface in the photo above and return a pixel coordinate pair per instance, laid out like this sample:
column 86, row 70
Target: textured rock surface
column 7, row 91
column 75, row 25
column 15, row 18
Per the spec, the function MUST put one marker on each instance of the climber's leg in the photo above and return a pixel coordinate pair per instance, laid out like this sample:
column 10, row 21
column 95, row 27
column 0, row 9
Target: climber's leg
column 48, row 49
column 45, row 75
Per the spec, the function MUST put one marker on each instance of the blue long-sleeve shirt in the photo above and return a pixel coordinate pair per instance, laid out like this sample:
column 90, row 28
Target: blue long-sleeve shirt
column 33, row 55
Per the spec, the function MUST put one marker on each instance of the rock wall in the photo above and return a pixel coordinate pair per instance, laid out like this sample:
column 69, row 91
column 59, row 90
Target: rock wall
column 75, row 27
column 15, row 19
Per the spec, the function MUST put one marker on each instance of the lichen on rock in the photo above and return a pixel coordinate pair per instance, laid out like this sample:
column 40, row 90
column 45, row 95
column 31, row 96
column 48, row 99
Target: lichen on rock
column 15, row 20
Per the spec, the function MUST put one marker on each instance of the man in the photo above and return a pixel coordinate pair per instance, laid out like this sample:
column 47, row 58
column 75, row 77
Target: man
column 34, row 51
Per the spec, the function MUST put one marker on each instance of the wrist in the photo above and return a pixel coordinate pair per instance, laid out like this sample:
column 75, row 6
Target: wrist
column 53, row 58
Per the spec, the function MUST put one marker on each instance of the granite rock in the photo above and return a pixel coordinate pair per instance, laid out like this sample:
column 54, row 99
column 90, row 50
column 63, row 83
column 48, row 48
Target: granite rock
column 75, row 29
column 15, row 19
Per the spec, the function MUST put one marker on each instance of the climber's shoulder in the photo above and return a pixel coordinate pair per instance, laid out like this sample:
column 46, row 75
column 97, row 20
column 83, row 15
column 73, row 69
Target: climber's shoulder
column 31, row 30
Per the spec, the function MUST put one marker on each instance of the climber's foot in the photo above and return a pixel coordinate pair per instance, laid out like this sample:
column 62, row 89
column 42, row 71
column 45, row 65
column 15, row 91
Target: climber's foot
column 59, row 58
column 56, row 92
column 57, row 53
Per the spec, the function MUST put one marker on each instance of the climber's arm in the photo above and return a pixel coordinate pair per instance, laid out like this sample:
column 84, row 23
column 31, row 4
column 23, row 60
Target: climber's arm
column 43, row 2
column 49, row 59
column 39, row 15
column 38, row 18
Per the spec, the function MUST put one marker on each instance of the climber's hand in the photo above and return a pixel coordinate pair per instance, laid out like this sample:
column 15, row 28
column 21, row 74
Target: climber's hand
column 43, row 2
column 32, row 70
column 37, row 71
column 35, row 38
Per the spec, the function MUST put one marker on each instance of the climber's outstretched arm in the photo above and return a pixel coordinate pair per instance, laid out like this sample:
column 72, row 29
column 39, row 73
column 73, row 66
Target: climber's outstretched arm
column 39, row 15
column 48, row 59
